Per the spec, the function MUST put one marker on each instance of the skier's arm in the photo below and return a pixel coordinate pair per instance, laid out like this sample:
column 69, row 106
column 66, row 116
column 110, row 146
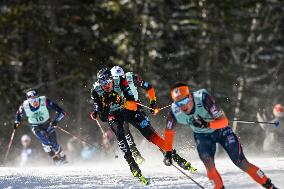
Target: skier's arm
column 99, row 109
column 96, row 100
column 20, row 114
column 169, row 131
column 140, row 82
column 130, row 102
column 220, row 119
column 60, row 112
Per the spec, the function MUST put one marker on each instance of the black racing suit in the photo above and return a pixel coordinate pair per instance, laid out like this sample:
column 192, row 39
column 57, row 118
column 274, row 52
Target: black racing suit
column 138, row 82
column 117, row 118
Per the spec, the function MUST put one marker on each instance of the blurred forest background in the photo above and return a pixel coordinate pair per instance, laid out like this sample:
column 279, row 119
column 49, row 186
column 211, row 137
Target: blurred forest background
column 233, row 48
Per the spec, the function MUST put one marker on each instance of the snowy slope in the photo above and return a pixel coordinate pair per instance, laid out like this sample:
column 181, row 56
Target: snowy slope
column 117, row 175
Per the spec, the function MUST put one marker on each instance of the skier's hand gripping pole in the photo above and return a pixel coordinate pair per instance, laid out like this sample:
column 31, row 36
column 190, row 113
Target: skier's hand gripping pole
column 9, row 146
column 167, row 156
column 104, row 134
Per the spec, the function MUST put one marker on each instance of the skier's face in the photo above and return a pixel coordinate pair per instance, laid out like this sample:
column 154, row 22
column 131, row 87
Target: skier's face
column 185, row 104
column 34, row 101
column 108, row 87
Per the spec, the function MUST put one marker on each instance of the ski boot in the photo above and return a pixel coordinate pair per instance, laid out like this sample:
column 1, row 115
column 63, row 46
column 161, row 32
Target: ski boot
column 183, row 163
column 136, row 155
column 58, row 158
column 269, row 185
column 134, row 168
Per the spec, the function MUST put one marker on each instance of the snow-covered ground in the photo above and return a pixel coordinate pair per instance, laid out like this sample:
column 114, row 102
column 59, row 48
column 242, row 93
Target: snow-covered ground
column 117, row 175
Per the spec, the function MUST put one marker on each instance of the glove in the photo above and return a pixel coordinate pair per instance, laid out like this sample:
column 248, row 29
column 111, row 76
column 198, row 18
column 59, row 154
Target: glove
column 200, row 122
column 111, row 119
column 54, row 123
column 130, row 105
column 154, row 108
column 93, row 115
column 168, row 158
column 16, row 125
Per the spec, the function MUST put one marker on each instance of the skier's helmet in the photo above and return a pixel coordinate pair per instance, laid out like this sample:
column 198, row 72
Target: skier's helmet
column 278, row 110
column 31, row 93
column 104, row 76
column 116, row 71
column 179, row 91
column 26, row 138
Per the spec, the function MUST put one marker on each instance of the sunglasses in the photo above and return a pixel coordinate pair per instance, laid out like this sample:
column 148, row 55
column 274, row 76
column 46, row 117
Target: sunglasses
column 105, row 82
column 183, row 102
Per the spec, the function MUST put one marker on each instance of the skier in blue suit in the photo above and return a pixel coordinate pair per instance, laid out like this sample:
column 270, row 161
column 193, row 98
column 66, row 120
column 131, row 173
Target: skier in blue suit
column 36, row 108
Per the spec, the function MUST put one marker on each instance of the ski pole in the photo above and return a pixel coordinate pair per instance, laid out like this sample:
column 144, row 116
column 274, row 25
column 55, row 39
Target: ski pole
column 276, row 123
column 184, row 172
column 188, row 176
column 156, row 110
column 104, row 135
column 78, row 138
column 9, row 146
column 165, row 107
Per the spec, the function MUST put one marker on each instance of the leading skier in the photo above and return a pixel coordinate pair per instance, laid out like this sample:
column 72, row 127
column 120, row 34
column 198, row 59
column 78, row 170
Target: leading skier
column 117, row 105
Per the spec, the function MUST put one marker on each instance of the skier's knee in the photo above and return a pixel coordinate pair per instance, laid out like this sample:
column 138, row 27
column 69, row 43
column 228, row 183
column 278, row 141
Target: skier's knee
column 207, row 160
column 46, row 148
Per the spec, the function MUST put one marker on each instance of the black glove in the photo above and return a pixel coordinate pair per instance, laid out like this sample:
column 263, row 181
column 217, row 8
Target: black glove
column 16, row 125
column 168, row 158
column 54, row 123
column 154, row 108
column 200, row 122
column 93, row 115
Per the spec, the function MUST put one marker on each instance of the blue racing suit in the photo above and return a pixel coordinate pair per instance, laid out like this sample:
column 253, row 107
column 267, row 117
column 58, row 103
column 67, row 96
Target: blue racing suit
column 44, row 131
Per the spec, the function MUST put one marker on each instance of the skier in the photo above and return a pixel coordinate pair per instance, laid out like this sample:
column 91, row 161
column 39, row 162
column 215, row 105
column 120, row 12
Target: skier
column 27, row 153
column 134, row 80
column 273, row 135
column 117, row 105
column 199, row 111
column 36, row 108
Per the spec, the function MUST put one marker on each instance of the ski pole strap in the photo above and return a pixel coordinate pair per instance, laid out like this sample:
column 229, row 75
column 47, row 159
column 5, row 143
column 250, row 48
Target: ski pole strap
column 276, row 123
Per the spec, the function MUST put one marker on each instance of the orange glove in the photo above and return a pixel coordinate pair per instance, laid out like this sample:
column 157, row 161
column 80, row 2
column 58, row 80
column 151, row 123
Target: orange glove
column 130, row 105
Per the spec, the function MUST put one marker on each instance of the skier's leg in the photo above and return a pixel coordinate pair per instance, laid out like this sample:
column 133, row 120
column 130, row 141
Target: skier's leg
column 41, row 135
column 206, row 148
column 128, row 135
column 60, row 157
column 130, row 140
column 142, row 123
column 234, row 149
column 117, row 128
column 51, row 135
